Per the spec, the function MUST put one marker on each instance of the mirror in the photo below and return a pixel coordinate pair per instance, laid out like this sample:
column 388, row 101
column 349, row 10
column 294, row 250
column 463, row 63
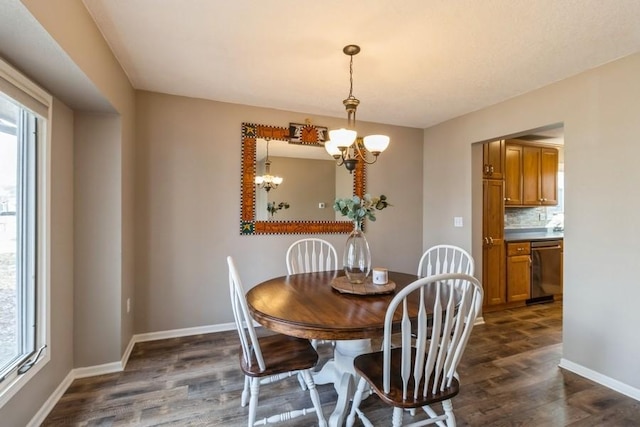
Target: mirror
column 311, row 180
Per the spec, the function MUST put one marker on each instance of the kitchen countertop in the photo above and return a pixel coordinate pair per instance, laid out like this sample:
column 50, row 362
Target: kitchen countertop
column 519, row 235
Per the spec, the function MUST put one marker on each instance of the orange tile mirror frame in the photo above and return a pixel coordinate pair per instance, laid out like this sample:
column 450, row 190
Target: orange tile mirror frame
column 249, row 225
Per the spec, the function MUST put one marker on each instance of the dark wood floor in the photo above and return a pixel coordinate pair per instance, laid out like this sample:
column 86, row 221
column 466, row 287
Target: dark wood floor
column 509, row 376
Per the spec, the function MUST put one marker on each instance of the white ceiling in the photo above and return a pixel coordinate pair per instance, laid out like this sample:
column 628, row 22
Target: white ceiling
column 422, row 61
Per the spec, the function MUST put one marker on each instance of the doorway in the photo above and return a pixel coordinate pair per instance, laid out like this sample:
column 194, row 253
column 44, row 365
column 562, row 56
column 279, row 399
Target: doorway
column 512, row 217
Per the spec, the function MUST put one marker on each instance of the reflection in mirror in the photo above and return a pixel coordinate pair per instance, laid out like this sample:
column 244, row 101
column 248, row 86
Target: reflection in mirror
column 303, row 203
column 311, row 182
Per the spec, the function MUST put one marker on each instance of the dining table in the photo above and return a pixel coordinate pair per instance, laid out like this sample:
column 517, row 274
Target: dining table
column 325, row 306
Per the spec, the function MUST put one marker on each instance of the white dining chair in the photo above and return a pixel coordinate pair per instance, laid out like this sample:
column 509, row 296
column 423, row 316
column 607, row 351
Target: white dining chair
column 269, row 359
column 311, row 254
column 422, row 370
column 442, row 259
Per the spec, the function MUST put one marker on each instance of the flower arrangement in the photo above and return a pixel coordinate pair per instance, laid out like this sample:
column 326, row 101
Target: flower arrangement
column 357, row 209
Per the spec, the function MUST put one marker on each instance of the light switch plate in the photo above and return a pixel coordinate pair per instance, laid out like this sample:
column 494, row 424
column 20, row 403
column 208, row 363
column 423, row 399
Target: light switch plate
column 457, row 221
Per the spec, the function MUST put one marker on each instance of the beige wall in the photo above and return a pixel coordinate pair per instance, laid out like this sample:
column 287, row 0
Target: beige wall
column 188, row 220
column 600, row 111
column 97, row 247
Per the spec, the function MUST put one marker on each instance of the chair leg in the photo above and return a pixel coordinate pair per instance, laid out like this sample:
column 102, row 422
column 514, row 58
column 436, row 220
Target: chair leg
column 315, row 397
column 396, row 420
column 447, row 405
column 355, row 405
column 245, row 391
column 253, row 402
column 303, row 386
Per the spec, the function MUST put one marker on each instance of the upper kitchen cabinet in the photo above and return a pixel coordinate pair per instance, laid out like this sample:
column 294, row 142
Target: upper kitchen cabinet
column 513, row 175
column 549, row 176
column 531, row 175
column 493, row 159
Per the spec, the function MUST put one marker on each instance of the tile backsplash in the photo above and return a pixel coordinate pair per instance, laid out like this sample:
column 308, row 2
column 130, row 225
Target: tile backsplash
column 528, row 217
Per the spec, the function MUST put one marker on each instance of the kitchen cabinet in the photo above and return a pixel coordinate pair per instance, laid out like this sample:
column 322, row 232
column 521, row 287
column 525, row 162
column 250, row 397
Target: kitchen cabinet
column 493, row 258
column 549, row 176
column 531, row 175
column 493, row 159
column 513, row 175
column 518, row 271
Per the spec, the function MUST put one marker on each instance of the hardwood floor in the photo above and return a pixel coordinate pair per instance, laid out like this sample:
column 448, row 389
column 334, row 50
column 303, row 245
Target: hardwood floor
column 509, row 377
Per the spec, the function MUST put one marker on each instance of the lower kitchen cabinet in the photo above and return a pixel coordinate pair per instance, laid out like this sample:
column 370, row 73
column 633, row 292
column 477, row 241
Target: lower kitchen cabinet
column 518, row 271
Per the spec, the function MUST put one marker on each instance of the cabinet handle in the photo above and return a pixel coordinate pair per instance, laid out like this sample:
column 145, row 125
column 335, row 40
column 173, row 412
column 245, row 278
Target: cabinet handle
column 491, row 241
column 507, row 199
column 486, row 240
column 486, row 169
column 491, row 170
column 520, row 249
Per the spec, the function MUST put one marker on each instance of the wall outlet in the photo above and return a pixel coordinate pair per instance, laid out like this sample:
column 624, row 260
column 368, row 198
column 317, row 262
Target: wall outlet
column 457, row 221
column 128, row 305
column 542, row 216
column 322, row 205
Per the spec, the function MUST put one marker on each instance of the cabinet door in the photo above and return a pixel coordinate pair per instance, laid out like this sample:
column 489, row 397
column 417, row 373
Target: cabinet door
column 513, row 175
column 518, row 278
column 493, row 274
column 530, row 175
column 549, row 176
column 493, row 159
column 493, row 242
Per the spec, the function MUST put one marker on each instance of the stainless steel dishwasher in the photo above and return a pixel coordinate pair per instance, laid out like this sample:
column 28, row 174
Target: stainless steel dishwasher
column 546, row 270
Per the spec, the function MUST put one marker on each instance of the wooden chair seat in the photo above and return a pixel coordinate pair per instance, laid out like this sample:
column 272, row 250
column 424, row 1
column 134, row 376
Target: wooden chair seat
column 370, row 367
column 281, row 353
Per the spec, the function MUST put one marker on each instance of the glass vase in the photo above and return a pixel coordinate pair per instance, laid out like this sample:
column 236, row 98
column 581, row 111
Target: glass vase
column 357, row 256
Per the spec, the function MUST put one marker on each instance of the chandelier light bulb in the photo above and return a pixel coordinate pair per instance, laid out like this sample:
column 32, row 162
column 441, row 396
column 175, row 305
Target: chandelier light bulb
column 376, row 144
column 332, row 149
column 343, row 138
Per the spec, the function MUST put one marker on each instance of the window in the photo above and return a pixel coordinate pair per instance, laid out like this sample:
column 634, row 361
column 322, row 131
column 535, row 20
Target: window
column 23, row 231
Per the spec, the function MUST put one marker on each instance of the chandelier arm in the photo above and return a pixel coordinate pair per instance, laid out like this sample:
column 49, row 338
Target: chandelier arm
column 344, row 155
column 362, row 152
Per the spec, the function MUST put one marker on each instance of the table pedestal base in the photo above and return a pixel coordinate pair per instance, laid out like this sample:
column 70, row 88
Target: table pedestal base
column 339, row 371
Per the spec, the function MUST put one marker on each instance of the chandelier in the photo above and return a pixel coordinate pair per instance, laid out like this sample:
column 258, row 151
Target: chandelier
column 344, row 144
column 268, row 181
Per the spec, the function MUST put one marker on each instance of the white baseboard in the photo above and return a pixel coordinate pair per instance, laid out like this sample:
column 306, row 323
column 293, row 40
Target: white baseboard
column 92, row 371
column 175, row 333
column 479, row 321
column 41, row 415
column 597, row 377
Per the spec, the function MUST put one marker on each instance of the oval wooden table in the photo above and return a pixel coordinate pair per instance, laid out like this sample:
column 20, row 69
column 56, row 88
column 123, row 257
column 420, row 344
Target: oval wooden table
column 307, row 306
